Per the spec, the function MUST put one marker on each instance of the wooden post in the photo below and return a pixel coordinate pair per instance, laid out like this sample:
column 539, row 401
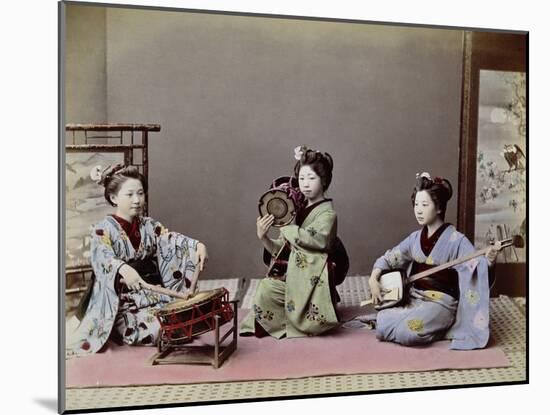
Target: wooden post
column 235, row 322
column 145, row 162
column 216, row 342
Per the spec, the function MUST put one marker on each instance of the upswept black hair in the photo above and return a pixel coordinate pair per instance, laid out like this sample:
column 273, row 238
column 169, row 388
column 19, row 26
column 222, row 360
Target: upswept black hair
column 114, row 177
column 440, row 190
column 320, row 163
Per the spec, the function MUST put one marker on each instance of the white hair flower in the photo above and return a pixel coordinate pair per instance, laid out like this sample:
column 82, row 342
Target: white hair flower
column 423, row 174
column 95, row 173
column 299, row 152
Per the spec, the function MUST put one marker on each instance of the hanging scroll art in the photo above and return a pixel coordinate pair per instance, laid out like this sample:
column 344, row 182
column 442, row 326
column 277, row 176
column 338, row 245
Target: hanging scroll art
column 501, row 160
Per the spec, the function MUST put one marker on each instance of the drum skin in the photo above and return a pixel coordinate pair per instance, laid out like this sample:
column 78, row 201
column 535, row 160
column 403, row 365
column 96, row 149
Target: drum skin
column 282, row 200
column 181, row 305
column 277, row 203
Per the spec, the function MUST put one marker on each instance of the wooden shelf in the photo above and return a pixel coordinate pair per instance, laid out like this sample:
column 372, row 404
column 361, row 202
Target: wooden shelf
column 112, row 127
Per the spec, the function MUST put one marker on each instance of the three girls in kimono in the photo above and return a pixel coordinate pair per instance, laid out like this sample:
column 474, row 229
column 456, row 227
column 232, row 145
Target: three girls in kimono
column 126, row 246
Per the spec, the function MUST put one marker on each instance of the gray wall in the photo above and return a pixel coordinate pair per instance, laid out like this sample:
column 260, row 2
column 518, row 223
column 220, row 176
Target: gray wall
column 85, row 72
column 235, row 95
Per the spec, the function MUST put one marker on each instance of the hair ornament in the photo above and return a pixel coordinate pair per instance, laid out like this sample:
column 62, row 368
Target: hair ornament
column 106, row 173
column 423, row 174
column 299, row 152
column 96, row 173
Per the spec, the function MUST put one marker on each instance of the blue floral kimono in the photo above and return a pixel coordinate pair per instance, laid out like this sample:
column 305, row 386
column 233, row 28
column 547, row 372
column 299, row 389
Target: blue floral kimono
column 130, row 314
column 433, row 315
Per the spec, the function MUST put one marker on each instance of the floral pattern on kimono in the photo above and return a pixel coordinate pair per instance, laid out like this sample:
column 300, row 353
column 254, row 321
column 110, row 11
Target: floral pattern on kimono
column 468, row 325
column 302, row 305
column 130, row 314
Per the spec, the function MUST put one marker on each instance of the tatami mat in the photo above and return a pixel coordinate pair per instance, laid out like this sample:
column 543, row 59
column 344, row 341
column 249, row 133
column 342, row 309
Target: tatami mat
column 353, row 290
column 249, row 294
column 508, row 328
column 233, row 285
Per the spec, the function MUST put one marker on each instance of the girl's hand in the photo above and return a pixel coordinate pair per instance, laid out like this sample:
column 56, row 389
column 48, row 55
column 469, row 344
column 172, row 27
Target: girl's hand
column 375, row 291
column 263, row 225
column 130, row 277
column 375, row 288
column 187, row 295
column 202, row 256
column 491, row 255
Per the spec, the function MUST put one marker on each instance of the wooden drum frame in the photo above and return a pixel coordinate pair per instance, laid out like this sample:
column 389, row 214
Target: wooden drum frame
column 183, row 320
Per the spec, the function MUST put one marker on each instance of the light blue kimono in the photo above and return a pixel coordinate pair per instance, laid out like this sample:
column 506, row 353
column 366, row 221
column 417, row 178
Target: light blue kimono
column 433, row 315
column 131, row 314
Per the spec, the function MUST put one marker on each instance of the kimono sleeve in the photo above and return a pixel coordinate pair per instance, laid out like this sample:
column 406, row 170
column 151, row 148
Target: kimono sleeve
column 471, row 327
column 176, row 255
column 399, row 257
column 318, row 236
column 161, row 232
column 104, row 261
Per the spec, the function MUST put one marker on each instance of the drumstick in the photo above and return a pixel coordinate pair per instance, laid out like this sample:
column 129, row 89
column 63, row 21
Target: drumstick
column 194, row 280
column 172, row 293
column 165, row 291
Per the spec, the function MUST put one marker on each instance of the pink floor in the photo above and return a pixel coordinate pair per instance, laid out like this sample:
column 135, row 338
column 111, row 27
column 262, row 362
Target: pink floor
column 342, row 351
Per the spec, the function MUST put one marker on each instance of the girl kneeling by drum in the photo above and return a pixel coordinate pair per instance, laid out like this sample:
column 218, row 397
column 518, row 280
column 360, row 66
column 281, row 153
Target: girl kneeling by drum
column 130, row 251
column 301, row 302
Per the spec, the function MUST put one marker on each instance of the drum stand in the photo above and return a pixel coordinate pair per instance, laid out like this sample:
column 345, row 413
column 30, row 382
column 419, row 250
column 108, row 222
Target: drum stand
column 213, row 355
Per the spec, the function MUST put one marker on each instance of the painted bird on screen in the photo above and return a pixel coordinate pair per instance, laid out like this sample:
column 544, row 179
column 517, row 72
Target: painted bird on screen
column 513, row 156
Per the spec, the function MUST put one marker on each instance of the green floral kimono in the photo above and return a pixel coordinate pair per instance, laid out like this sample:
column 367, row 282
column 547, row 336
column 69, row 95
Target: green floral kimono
column 301, row 306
